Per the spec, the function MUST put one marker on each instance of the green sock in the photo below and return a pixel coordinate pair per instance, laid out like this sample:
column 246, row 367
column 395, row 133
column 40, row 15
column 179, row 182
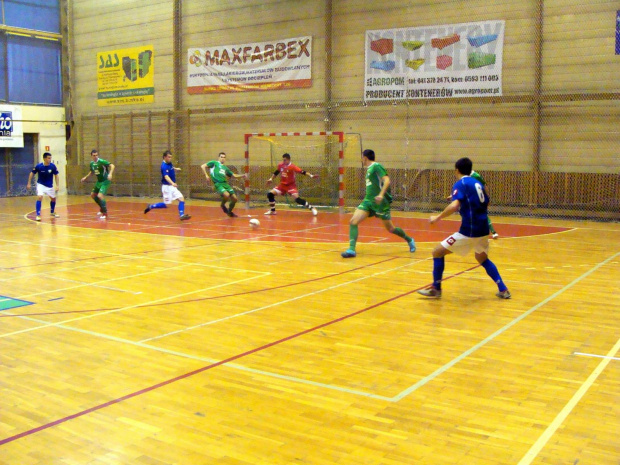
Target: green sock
column 104, row 206
column 97, row 201
column 400, row 233
column 491, row 228
column 352, row 236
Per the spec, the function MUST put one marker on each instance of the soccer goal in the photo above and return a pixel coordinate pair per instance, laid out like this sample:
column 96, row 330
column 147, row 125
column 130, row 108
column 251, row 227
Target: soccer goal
column 319, row 153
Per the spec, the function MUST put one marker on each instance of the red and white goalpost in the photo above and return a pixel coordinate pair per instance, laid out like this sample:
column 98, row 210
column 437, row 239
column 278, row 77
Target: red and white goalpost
column 319, row 153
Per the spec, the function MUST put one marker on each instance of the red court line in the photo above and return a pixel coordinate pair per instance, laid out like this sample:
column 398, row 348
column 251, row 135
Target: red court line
column 213, row 365
column 208, row 298
column 237, row 228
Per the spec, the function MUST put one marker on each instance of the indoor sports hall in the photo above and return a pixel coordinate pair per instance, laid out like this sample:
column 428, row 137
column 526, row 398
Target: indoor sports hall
column 136, row 328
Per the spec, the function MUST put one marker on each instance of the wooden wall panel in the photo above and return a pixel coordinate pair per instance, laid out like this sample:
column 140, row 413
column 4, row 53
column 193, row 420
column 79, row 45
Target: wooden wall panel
column 579, row 46
column 110, row 25
column 576, row 135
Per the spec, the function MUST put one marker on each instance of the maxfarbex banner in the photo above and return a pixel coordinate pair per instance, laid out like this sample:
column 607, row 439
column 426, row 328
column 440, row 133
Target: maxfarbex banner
column 453, row 60
column 125, row 76
column 280, row 64
column 11, row 134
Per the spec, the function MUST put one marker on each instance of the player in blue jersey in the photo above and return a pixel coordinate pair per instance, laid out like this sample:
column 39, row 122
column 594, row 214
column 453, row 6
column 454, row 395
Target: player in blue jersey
column 169, row 188
column 46, row 173
column 471, row 200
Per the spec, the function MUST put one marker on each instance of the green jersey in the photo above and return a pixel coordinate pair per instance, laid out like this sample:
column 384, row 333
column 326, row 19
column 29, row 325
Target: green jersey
column 374, row 174
column 218, row 172
column 100, row 169
column 478, row 178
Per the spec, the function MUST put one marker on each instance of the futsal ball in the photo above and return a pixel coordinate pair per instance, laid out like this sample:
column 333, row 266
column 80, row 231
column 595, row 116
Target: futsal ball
column 254, row 223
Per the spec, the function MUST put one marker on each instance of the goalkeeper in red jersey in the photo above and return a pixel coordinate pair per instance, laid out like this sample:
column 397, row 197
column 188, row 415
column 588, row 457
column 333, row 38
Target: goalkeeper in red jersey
column 287, row 185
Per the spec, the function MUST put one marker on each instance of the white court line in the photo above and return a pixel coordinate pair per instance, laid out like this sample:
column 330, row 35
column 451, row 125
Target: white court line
column 144, row 257
column 237, row 315
column 559, row 419
column 143, row 304
column 596, row 356
column 104, row 281
column 211, row 361
column 482, row 343
column 46, row 273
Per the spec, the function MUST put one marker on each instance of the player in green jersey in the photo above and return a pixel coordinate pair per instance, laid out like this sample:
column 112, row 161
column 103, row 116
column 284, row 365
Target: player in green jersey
column 103, row 170
column 479, row 178
column 376, row 203
column 219, row 174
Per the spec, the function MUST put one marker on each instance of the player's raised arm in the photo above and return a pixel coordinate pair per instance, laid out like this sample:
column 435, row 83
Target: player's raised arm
column 29, row 180
column 449, row 210
column 203, row 167
column 385, row 183
column 111, row 171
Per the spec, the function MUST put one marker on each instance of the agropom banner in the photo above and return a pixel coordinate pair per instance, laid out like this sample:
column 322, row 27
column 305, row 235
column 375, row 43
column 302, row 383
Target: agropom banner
column 282, row 64
column 454, row 60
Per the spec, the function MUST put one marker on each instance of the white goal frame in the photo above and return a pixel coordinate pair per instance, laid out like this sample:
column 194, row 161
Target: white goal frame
column 340, row 136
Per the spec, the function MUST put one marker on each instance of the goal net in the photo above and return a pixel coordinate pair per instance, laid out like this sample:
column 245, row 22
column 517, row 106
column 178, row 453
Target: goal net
column 319, row 153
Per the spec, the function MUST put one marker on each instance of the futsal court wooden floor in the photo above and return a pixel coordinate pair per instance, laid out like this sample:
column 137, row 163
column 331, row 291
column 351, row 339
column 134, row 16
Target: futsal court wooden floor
column 144, row 340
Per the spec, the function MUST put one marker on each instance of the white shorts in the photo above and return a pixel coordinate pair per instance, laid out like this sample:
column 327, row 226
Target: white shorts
column 170, row 193
column 43, row 190
column 462, row 245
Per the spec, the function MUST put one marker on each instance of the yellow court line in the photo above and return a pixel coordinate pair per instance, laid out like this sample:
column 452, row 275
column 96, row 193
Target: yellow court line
column 143, row 304
column 557, row 422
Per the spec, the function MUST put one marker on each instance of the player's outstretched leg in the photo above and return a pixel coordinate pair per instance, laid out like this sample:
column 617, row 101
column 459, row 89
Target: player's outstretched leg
column 231, row 205
column 272, row 203
column 305, row 204
column 182, row 214
column 353, row 234
column 439, row 263
column 153, row 206
column 494, row 234
column 53, row 208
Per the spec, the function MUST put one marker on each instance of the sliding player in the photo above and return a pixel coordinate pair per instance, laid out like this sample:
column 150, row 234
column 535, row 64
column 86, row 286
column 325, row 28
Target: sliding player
column 376, row 203
column 287, row 185
column 219, row 174
column 169, row 187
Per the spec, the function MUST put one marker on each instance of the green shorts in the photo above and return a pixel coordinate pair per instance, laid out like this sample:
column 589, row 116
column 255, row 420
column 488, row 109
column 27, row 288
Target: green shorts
column 381, row 211
column 101, row 187
column 222, row 187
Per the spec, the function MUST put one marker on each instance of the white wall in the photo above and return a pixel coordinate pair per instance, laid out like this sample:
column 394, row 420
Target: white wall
column 49, row 124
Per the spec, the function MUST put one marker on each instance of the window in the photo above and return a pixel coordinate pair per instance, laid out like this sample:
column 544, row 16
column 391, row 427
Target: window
column 3, row 89
column 34, row 72
column 30, row 52
column 38, row 15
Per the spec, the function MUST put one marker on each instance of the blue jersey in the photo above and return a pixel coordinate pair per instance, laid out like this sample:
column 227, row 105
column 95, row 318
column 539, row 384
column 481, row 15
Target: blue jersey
column 45, row 174
column 167, row 169
column 474, row 202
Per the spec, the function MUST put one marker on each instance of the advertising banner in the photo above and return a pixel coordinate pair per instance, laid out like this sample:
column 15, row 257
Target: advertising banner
column 454, row 60
column 125, row 76
column 280, row 64
column 11, row 134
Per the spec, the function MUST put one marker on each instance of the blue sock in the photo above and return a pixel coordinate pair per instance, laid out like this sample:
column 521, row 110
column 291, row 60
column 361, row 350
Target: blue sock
column 494, row 274
column 158, row 205
column 38, row 208
column 438, row 266
column 181, row 208
column 52, row 205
